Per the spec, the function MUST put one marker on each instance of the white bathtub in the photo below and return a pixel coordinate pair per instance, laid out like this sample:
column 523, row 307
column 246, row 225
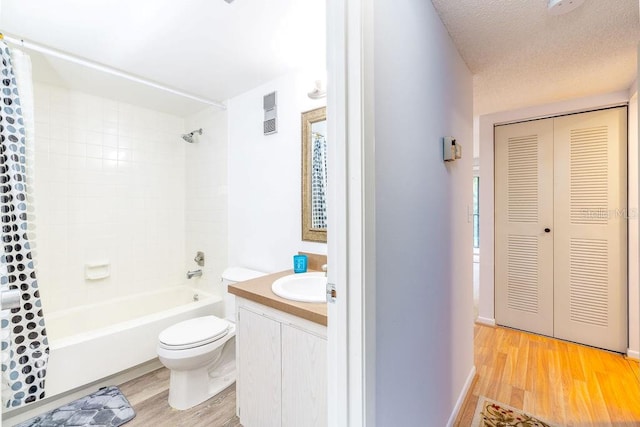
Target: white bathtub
column 92, row 342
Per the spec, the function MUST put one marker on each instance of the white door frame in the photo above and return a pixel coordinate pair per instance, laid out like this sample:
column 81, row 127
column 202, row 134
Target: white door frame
column 486, row 309
column 351, row 255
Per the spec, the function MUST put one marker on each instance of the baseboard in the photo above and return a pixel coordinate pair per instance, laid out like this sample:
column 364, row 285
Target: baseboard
column 462, row 397
column 486, row 321
column 23, row 413
column 633, row 354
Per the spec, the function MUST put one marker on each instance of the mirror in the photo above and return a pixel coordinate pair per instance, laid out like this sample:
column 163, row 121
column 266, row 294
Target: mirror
column 314, row 175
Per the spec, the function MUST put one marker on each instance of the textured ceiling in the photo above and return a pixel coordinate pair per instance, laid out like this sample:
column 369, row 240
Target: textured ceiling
column 205, row 47
column 521, row 55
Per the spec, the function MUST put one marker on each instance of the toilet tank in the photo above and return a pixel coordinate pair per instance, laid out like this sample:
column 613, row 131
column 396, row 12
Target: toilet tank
column 230, row 276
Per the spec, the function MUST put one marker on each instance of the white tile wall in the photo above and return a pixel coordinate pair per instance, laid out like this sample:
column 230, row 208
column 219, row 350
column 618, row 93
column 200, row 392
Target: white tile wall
column 206, row 197
column 109, row 186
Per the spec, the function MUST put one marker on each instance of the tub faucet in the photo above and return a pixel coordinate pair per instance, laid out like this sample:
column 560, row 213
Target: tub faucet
column 194, row 273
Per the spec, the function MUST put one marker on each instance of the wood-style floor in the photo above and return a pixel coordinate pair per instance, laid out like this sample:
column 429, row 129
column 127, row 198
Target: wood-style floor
column 564, row 383
column 568, row 384
column 148, row 395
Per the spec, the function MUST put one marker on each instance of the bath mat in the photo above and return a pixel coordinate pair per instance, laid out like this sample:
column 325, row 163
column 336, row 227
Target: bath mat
column 490, row 413
column 106, row 408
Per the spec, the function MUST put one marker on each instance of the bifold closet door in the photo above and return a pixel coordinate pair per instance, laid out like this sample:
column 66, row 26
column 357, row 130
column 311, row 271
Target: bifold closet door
column 523, row 211
column 590, row 228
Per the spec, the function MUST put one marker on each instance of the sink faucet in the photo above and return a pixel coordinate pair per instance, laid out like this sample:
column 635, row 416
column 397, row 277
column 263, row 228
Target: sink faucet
column 194, row 273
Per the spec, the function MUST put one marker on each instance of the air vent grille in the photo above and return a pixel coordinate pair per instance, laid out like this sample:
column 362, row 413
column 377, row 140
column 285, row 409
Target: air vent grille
column 270, row 105
column 269, row 126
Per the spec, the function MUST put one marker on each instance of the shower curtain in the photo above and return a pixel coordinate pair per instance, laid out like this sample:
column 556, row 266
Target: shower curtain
column 23, row 339
column 319, row 182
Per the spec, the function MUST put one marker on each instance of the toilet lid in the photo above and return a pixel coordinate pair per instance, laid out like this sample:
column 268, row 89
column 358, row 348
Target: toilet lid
column 194, row 332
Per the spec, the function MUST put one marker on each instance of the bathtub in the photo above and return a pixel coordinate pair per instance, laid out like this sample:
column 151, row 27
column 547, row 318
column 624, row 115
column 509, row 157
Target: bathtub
column 92, row 342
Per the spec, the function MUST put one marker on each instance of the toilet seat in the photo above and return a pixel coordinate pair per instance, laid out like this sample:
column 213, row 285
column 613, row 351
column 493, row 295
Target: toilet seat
column 193, row 333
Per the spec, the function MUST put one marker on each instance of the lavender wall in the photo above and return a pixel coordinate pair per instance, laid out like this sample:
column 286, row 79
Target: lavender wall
column 424, row 314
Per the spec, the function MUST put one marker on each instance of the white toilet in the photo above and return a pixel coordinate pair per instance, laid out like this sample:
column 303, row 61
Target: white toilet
column 200, row 352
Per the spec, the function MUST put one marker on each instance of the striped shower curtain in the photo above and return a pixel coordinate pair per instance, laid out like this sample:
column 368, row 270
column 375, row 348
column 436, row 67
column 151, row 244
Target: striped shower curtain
column 23, row 338
column 319, row 182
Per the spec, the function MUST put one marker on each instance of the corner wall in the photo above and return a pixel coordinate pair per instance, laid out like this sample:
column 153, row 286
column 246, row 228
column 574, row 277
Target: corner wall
column 486, row 123
column 265, row 177
column 424, row 312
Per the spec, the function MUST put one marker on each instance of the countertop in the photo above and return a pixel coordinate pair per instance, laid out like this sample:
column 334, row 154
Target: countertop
column 259, row 290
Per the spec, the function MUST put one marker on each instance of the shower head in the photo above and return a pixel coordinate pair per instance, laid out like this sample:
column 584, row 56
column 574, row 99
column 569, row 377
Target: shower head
column 189, row 136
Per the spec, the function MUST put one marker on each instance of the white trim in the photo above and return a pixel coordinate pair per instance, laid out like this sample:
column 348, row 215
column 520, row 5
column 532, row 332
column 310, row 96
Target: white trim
column 337, row 338
column 368, row 160
column 565, row 113
column 486, row 321
column 351, row 248
column 463, row 395
column 106, row 69
column 632, row 354
column 633, row 89
column 633, row 243
column 350, row 349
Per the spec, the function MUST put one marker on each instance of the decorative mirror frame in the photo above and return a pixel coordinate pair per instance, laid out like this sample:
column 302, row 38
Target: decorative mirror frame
column 308, row 119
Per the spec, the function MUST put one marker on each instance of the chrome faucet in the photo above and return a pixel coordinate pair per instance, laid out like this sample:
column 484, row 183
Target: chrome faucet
column 194, row 273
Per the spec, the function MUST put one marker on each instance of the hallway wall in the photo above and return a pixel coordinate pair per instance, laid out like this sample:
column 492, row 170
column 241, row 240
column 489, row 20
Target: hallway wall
column 424, row 335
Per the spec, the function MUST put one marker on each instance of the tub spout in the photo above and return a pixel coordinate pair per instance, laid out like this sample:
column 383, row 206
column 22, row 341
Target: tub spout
column 194, row 273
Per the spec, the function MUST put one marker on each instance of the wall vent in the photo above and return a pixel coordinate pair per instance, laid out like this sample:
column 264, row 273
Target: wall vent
column 270, row 124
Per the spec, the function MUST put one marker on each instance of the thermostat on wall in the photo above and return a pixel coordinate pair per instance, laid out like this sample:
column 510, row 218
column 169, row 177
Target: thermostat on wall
column 451, row 149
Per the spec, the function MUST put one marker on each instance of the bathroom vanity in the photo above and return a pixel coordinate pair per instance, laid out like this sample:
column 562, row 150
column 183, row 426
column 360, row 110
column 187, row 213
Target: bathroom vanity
column 281, row 356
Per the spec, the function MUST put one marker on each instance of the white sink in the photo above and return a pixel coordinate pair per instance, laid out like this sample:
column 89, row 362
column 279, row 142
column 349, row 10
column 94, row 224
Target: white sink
column 304, row 287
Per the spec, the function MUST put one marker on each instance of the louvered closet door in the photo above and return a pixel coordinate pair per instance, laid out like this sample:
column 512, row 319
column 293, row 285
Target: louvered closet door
column 524, row 208
column 590, row 230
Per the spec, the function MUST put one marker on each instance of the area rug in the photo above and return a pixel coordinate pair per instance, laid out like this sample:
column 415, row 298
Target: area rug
column 490, row 413
column 107, row 407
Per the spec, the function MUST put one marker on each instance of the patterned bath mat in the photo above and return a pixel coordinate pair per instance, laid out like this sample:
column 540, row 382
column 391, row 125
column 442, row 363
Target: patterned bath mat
column 490, row 413
column 105, row 408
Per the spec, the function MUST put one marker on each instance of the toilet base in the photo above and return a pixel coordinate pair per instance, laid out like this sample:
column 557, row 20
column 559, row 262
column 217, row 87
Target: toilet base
column 190, row 388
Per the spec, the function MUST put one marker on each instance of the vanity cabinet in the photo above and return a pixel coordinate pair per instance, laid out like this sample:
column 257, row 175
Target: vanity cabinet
column 282, row 368
column 259, row 358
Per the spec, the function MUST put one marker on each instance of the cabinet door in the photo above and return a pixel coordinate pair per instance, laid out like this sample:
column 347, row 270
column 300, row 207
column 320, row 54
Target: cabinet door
column 304, row 378
column 259, row 370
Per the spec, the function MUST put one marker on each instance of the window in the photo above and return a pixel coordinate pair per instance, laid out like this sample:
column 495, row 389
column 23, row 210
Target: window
column 476, row 212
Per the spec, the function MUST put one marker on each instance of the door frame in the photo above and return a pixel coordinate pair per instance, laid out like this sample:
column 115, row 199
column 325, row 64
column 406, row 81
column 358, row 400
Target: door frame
column 554, row 212
column 350, row 238
column 486, row 308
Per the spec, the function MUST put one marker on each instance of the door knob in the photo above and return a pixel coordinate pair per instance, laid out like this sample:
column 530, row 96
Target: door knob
column 547, row 230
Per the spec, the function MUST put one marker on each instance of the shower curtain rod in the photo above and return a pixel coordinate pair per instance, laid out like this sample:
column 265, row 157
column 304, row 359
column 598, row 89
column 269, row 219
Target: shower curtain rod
column 100, row 67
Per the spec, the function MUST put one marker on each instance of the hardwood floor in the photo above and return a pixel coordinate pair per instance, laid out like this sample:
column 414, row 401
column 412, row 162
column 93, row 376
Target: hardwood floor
column 148, row 396
column 564, row 383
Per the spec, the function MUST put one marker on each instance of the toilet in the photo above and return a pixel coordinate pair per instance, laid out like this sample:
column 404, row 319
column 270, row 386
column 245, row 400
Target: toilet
column 200, row 352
